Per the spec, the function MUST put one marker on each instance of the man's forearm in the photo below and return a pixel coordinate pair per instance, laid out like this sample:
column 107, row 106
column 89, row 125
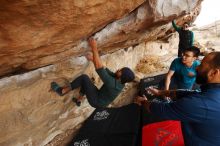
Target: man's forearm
column 167, row 83
column 96, row 59
column 175, row 26
column 168, row 93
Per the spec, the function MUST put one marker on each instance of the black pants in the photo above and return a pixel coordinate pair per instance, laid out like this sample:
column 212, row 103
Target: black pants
column 180, row 51
column 87, row 88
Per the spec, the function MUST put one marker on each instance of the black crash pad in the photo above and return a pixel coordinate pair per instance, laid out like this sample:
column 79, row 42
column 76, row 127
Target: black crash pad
column 154, row 81
column 111, row 127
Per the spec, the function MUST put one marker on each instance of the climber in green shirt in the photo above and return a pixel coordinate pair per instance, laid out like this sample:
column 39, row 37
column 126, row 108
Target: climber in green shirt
column 113, row 83
column 186, row 37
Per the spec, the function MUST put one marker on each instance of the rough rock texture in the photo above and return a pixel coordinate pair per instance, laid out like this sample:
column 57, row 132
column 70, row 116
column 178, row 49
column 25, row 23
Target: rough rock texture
column 38, row 33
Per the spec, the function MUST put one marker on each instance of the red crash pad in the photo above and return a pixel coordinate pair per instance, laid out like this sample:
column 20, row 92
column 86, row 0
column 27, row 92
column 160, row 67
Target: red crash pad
column 166, row 133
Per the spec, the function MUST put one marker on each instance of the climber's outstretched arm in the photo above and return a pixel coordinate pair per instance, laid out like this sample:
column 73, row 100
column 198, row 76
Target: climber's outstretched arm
column 96, row 58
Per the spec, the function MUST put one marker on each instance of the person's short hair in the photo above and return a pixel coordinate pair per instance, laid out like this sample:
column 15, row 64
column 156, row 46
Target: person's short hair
column 194, row 49
column 127, row 75
column 215, row 62
column 188, row 23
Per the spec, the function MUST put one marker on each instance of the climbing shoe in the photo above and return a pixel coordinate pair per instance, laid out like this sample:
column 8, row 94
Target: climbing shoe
column 56, row 88
column 76, row 101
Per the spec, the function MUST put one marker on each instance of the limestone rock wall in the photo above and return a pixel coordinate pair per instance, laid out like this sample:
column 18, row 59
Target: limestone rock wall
column 39, row 33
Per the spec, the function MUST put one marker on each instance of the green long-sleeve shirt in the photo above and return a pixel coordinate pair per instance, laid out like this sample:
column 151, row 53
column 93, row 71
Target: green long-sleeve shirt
column 111, row 87
column 186, row 37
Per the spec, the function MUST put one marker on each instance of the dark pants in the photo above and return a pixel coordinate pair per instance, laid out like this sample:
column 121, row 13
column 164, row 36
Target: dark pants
column 180, row 51
column 87, row 88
